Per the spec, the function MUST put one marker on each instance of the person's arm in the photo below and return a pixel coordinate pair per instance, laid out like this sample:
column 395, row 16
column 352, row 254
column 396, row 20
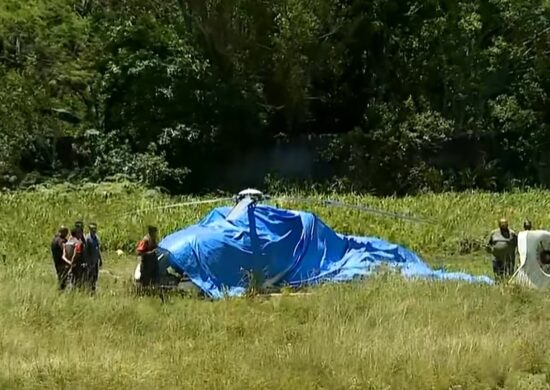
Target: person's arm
column 64, row 257
column 100, row 256
column 489, row 246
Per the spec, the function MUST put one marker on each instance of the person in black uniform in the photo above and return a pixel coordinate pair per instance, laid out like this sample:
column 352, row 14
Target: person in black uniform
column 61, row 266
column 94, row 259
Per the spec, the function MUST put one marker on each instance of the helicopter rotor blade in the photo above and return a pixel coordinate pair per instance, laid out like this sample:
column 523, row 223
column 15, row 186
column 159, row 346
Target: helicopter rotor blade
column 358, row 207
column 377, row 211
column 175, row 205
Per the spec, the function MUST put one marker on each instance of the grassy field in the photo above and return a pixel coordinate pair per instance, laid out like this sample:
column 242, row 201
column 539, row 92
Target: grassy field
column 384, row 333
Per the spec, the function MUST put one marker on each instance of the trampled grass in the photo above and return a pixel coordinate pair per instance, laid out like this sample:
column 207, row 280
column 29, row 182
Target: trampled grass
column 379, row 334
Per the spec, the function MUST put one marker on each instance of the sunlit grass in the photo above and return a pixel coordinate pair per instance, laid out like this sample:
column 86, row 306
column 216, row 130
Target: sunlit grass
column 379, row 334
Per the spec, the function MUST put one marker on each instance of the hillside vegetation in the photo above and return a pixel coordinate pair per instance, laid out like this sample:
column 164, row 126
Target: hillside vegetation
column 383, row 96
column 381, row 333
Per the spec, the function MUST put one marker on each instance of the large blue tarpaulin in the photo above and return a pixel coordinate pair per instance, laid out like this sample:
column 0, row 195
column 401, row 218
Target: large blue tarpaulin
column 283, row 248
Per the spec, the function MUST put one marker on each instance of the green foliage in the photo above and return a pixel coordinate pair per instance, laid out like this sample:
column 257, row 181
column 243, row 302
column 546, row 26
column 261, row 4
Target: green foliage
column 415, row 95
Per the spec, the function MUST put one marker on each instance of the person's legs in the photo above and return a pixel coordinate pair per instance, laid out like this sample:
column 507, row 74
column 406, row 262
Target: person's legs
column 509, row 267
column 62, row 276
column 94, row 276
column 498, row 269
column 149, row 270
column 79, row 276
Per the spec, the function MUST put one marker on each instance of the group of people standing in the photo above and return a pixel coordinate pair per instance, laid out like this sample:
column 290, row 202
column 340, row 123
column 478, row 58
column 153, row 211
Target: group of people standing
column 76, row 256
column 502, row 244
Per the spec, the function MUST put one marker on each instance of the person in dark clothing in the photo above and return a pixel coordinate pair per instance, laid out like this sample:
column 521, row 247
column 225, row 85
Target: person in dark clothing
column 527, row 225
column 61, row 266
column 148, row 258
column 502, row 244
column 73, row 254
column 79, row 226
column 94, row 259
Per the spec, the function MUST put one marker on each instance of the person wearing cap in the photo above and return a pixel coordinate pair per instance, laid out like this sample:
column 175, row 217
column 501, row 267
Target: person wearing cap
column 61, row 266
column 94, row 259
column 147, row 257
column 502, row 245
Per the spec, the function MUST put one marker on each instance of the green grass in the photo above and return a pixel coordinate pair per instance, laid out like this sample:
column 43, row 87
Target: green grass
column 380, row 334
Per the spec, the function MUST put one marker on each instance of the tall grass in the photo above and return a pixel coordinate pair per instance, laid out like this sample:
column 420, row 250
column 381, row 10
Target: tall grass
column 461, row 221
column 380, row 334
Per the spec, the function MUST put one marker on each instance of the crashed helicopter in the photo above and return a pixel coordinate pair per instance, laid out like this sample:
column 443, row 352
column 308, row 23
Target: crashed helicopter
column 255, row 244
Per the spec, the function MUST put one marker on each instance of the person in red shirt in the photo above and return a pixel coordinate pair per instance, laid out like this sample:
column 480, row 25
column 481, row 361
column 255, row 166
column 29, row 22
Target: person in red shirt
column 149, row 242
column 73, row 254
column 147, row 257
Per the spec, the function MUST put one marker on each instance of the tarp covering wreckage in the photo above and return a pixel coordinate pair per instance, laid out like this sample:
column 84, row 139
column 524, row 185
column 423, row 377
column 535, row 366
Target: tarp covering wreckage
column 286, row 248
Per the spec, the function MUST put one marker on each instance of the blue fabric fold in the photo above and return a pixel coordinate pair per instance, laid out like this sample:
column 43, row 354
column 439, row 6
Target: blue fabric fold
column 284, row 248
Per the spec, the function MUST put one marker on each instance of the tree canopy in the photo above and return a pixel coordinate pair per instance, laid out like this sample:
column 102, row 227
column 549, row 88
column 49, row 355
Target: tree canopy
column 385, row 96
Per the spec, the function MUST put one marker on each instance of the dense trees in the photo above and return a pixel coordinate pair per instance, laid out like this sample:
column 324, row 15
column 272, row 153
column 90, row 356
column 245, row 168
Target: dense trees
column 389, row 96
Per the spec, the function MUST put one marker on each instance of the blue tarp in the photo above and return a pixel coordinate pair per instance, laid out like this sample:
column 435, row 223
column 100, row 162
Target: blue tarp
column 284, row 247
